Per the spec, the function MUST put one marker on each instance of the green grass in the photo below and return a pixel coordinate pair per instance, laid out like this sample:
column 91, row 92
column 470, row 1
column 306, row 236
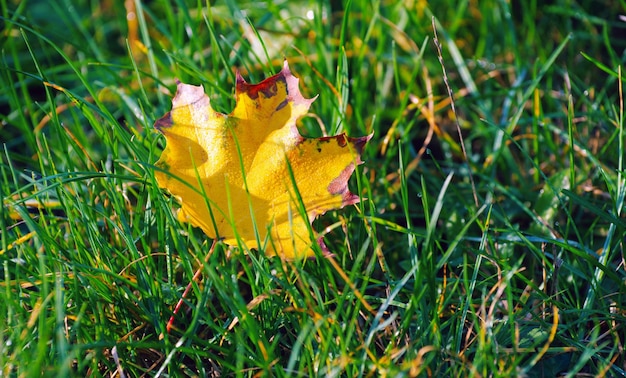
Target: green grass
column 506, row 260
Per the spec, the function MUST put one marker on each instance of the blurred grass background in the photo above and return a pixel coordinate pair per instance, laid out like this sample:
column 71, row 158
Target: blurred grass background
column 505, row 260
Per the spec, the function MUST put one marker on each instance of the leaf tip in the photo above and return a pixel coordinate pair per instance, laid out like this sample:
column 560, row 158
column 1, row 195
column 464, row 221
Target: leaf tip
column 293, row 87
column 187, row 94
column 359, row 143
column 163, row 122
column 239, row 80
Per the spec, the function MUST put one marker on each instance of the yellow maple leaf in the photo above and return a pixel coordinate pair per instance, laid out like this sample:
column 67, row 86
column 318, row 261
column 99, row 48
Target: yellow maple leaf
column 234, row 174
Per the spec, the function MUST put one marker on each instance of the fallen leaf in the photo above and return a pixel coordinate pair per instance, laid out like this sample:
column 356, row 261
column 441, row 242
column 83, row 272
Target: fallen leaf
column 234, row 174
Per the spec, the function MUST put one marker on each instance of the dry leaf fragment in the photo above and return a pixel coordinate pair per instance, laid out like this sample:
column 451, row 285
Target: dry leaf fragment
column 233, row 174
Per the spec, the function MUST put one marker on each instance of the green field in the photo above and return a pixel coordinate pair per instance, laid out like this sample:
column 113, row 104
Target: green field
column 488, row 242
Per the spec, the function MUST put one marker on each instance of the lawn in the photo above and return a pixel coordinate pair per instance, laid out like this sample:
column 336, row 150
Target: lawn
column 489, row 236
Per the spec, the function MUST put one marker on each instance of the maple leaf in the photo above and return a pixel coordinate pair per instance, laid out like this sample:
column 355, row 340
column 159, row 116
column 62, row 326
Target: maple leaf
column 234, row 174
